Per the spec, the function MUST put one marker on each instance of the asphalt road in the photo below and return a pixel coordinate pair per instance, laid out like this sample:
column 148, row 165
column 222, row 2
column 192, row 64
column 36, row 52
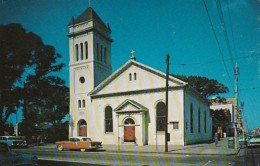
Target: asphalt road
column 68, row 158
column 248, row 157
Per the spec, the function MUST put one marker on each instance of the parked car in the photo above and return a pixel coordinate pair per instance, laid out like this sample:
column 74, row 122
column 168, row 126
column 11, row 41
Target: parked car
column 254, row 141
column 242, row 142
column 9, row 158
column 14, row 141
column 79, row 143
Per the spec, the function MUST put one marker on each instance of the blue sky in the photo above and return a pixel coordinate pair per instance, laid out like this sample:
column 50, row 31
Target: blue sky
column 154, row 28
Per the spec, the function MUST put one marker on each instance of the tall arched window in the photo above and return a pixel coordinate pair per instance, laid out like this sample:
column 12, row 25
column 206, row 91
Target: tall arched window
column 205, row 122
column 108, row 119
column 101, row 53
column 105, row 55
column 160, row 117
column 97, row 51
column 81, row 51
column 191, row 118
column 134, row 76
column 86, row 49
column 130, row 77
column 83, row 103
column 199, row 120
column 77, row 52
column 79, row 103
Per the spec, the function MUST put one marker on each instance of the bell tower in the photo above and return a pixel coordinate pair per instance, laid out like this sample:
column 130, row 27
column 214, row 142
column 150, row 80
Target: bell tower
column 90, row 59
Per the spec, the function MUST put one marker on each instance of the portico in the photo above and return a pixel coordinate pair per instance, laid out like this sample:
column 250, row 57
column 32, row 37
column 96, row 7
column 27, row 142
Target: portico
column 132, row 124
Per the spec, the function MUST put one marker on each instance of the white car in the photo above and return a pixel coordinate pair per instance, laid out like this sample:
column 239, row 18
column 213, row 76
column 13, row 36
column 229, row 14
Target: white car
column 7, row 157
column 254, row 141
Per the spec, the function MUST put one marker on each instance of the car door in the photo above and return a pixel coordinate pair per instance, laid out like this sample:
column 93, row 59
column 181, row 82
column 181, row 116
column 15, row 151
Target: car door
column 69, row 144
column 77, row 143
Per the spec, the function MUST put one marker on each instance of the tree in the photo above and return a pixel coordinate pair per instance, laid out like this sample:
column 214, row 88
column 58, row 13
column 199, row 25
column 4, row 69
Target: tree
column 206, row 87
column 16, row 53
column 27, row 68
column 221, row 118
column 56, row 110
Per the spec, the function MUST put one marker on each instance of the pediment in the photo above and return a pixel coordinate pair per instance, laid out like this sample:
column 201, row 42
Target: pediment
column 130, row 106
column 147, row 79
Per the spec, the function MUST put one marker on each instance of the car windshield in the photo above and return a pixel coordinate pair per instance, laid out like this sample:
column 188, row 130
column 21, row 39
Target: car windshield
column 86, row 139
column 13, row 138
column 256, row 136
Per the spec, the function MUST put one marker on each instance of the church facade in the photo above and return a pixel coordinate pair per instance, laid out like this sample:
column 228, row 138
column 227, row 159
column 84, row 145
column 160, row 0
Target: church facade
column 128, row 105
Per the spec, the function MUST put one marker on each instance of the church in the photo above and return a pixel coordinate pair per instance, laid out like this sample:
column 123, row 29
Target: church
column 127, row 106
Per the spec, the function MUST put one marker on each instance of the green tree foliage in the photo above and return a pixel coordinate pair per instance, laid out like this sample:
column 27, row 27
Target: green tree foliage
column 16, row 53
column 206, row 87
column 221, row 118
column 28, row 80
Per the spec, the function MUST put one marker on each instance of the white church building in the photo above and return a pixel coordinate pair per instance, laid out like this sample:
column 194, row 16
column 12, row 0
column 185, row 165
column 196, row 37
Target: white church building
column 128, row 105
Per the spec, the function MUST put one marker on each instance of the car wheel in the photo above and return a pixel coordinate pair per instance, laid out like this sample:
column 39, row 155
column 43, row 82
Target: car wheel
column 60, row 147
column 82, row 150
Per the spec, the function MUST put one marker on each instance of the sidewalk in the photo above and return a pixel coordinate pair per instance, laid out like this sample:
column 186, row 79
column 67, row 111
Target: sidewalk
column 196, row 149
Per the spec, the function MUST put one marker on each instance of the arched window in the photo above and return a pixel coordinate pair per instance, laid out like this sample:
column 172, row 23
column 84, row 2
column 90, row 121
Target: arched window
column 83, row 103
column 130, row 77
column 129, row 121
column 160, row 117
column 86, row 49
column 81, row 51
column 191, row 118
column 79, row 103
column 97, row 51
column 134, row 76
column 101, row 53
column 199, row 120
column 105, row 55
column 108, row 119
column 205, row 122
column 77, row 52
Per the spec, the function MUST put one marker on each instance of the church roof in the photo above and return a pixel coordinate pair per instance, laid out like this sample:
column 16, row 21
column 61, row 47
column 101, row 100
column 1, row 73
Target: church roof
column 131, row 62
column 87, row 15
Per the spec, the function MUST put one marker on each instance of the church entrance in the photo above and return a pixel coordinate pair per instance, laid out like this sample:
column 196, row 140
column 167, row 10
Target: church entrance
column 83, row 128
column 129, row 130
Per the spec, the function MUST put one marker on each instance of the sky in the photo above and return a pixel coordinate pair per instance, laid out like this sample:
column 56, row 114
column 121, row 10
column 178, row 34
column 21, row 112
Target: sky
column 203, row 37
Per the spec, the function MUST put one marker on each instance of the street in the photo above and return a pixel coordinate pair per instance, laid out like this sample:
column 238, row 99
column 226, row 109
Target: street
column 48, row 156
column 248, row 157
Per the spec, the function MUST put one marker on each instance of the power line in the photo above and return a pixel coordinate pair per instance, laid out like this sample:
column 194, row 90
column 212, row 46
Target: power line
column 214, row 61
column 231, row 27
column 225, row 30
column 218, row 43
column 252, row 88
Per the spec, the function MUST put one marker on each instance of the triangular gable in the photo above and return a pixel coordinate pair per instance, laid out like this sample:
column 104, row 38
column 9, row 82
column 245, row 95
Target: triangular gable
column 127, row 65
column 130, row 106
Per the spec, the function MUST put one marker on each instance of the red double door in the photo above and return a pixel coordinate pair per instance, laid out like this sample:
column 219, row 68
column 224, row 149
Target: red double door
column 129, row 133
column 83, row 130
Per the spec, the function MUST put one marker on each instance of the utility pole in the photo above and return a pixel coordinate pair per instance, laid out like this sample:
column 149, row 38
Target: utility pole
column 236, row 106
column 166, row 96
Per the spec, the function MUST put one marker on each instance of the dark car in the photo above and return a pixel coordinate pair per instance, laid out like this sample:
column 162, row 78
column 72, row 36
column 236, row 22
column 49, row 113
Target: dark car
column 9, row 158
column 14, row 141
